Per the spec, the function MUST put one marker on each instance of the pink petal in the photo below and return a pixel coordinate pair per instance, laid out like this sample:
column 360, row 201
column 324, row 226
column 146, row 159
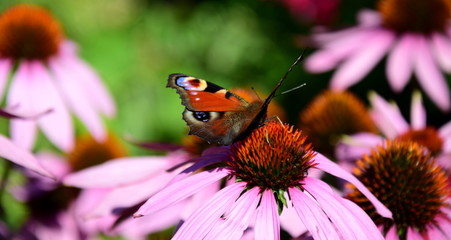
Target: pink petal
column 267, row 223
column 392, row 234
column 441, row 49
column 346, row 223
column 312, row 216
column 200, row 198
column 21, row 157
column 180, row 190
column 202, row 221
column 388, row 117
column 351, row 148
column 335, row 51
column 429, row 76
column 400, row 62
column 57, row 125
column 328, row 166
column 5, row 69
column 369, row 18
column 239, row 218
column 290, row 221
column 33, row 92
column 417, row 112
column 139, row 227
column 77, row 99
column 413, row 234
column 119, row 172
column 23, row 132
column 58, row 166
column 131, row 194
column 361, row 62
column 445, row 131
column 95, row 90
column 371, row 229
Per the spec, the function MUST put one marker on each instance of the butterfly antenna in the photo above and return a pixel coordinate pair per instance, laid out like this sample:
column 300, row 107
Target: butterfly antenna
column 284, row 77
column 256, row 94
column 290, row 90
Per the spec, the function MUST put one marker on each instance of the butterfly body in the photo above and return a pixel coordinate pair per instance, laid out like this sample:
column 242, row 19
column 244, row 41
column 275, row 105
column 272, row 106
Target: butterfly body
column 215, row 114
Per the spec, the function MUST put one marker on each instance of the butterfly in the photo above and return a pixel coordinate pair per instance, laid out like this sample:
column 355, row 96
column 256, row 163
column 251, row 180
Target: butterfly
column 216, row 114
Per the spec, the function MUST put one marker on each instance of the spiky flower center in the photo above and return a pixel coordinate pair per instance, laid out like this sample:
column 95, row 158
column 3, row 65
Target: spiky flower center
column 427, row 137
column 331, row 115
column 406, row 179
column 415, row 15
column 88, row 152
column 29, row 32
column 274, row 156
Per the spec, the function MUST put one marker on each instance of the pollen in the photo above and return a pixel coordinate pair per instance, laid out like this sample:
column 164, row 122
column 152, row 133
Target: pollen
column 275, row 156
column 405, row 178
column 415, row 15
column 88, row 152
column 29, row 32
column 330, row 116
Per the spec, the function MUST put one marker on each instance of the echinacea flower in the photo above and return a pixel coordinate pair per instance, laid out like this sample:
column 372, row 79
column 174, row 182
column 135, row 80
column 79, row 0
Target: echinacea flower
column 392, row 124
column 414, row 33
column 406, row 178
column 55, row 210
column 273, row 162
column 49, row 76
column 111, row 189
column 330, row 115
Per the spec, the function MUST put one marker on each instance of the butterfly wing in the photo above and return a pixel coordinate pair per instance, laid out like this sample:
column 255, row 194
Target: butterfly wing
column 212, row 112
column 200, row 95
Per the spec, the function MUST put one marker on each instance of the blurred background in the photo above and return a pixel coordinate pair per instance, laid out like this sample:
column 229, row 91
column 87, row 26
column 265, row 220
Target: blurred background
column 135, row 44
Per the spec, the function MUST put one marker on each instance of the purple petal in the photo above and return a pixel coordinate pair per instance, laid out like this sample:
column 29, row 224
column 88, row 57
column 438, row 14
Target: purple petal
column 202, row 220
column 312, row 216
column 5, row 69
column 388, row 117
column 180, row 190
column 328, row 166
column 429, row 76
column 267, row 224
column 441, row 48
column 360, row 63
column 95, row 90
column 335, row 51
column 346, row 223
column 21, row 157
column 239, row 218
column 119, row 172
column 400, row 62
column 77, row 99
column 417, row 112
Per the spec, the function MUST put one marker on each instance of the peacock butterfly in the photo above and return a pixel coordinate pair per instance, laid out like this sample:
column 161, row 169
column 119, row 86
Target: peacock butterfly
column 217, row 115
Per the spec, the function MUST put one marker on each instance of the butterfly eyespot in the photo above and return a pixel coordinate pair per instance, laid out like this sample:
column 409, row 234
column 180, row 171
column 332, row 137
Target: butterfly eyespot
column 202, row 116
